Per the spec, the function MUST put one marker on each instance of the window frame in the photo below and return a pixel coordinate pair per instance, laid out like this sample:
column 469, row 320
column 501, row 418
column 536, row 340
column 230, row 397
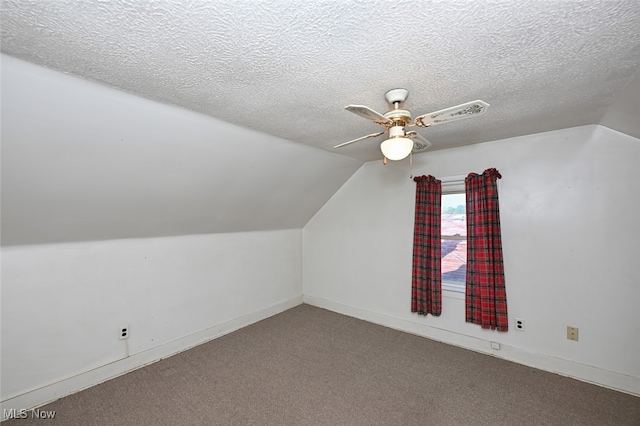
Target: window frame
column 453, row 185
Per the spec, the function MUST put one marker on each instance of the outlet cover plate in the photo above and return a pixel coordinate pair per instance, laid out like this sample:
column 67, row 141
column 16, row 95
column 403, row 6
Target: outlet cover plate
column 572, row 333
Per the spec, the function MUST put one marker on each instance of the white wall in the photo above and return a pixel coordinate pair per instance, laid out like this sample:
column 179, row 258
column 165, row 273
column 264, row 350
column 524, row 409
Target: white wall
column 86, row 162
column 570, row 236
column 622, row 114
column 62, row 304
column 569, row 204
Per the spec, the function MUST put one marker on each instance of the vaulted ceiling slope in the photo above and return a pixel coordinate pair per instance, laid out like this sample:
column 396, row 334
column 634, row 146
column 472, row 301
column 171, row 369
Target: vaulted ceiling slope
column 82, row 161
column 288, row 67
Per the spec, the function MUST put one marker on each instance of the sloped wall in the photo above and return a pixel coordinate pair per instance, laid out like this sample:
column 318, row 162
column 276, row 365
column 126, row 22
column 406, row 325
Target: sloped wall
column 84, row 162
column 568, row 201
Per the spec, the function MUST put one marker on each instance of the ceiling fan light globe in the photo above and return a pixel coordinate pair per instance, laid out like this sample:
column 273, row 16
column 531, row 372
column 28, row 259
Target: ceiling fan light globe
column 396, row 148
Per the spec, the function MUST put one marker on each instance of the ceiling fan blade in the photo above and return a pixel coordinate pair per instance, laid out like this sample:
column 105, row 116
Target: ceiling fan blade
column 373, row 135
column 458, row 112
column 368, row 113
column 419, row 142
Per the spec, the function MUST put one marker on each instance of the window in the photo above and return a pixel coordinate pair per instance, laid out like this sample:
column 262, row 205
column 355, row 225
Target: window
column 454, row 239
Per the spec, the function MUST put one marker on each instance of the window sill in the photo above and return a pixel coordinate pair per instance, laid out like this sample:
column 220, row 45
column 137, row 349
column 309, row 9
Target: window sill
column 453, row 291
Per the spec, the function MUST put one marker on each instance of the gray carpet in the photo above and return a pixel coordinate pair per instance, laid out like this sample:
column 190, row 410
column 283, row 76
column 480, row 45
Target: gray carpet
column 309, row 366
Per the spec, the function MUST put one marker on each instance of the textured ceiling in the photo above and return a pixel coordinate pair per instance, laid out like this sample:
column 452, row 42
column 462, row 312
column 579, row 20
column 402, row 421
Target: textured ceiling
column 287, row 68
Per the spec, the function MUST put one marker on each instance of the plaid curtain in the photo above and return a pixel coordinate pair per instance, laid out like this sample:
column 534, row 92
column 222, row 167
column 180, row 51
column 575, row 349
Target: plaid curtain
column 426, row 280
column 486, row 297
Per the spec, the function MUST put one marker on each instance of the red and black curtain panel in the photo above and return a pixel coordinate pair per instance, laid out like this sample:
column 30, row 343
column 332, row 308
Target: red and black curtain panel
column 426, row 281
column 486, row 297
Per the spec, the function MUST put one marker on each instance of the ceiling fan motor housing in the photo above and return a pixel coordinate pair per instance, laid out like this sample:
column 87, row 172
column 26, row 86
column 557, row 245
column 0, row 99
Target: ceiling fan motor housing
column 399, row 116
column 396, row 132
column 396, row 97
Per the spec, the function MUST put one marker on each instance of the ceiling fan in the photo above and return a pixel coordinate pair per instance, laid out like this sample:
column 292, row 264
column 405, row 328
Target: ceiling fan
column 401, row 143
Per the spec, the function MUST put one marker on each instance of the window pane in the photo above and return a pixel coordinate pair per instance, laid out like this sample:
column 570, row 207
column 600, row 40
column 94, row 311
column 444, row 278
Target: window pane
column 454, row 261
column 454, row 217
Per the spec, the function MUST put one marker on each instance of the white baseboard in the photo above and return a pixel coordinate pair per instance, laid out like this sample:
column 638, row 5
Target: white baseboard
column 564, row 367
column 49, row 393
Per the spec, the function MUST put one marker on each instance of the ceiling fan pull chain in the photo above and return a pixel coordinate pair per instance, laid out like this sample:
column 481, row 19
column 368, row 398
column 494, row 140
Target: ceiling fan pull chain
column 411, row 165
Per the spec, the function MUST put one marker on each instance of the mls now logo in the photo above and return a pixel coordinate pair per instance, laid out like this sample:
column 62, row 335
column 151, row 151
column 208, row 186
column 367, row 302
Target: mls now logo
column 22, row 413
column 14, row 413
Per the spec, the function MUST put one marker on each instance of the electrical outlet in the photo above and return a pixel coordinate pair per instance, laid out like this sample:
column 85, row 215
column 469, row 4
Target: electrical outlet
column 124, row 332
column 495, row 345
column 572, row 333
column 519, row 324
